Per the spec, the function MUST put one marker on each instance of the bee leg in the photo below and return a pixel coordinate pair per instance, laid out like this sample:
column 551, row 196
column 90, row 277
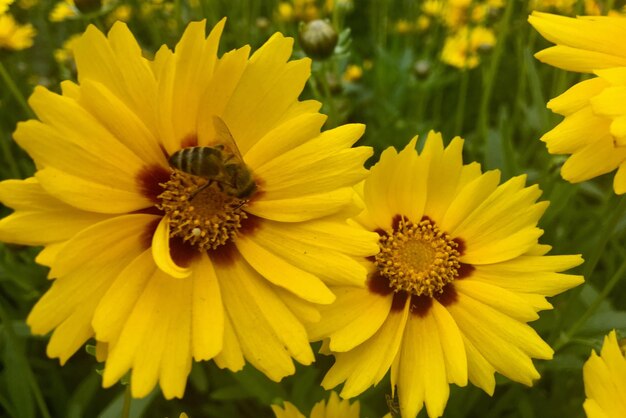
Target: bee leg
column 199, row 189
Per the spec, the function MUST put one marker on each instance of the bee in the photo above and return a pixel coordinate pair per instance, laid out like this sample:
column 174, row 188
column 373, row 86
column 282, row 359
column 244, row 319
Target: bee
column 220, row 162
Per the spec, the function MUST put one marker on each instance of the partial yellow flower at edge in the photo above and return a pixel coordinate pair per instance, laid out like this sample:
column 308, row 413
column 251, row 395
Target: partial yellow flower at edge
column 334, row 408
column 583, row 44
column 605, row 381
column 15, row 36
column 162, row 266
column 593, row 131
column 4, row 5
column 459, row 274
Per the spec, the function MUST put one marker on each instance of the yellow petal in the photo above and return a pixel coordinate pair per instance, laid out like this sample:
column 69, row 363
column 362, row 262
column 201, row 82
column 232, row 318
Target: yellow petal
column 577, row 96
column 304, row 208
column 575, row 59
column 207, row 320
column 161, row 252
column 267, row 331
column 451, row 344
column 268, row 86
column 576, row 131
column 231, row 356
column 378, row 352
column 593, row 160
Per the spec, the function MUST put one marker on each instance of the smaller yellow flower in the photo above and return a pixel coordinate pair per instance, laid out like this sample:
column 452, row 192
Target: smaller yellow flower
column 27, row 4
column 353, row 73
column 285, row 11
column 122, row 13
column 462, row 49
column 422, row 23
column 403, row 27
column 432, row 7
column 15, row 36
column 63, row 10
column 4, row 5
column 66, row 52
column 334, row 408
column 605, row 381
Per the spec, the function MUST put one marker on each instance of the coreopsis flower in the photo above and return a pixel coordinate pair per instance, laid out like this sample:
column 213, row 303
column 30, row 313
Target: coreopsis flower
column 4, row 5
column 165, row 244
column 605, row 381
column 462, row 49
column 15, row 36
column 334, row 408
column 459, row 274
column 594, row 129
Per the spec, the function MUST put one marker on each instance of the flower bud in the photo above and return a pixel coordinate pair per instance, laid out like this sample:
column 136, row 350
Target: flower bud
column 318, row 39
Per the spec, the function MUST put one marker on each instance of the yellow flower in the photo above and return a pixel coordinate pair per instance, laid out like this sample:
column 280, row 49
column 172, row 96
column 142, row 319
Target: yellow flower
column 462, row 49
column 335, row 408
column 162, row 266
column 4, row 5
column 353, row 73
column 432, row 7
column 459, row 274
column 584, row 44
column 122, row 13
column 605, row 381
column 403, row 26
column 422, row 22
column 66, row 52
column 63, row 10
column 15, row 36
column 594, row 128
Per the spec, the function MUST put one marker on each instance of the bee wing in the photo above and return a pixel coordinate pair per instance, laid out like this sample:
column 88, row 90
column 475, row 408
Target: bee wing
column 223, row 136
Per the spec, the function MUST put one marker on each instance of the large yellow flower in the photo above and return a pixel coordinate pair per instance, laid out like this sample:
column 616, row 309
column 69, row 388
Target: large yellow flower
column 163, row 266
column 335, row 408
column 594, row 128
column 605, row 381
column 459, row 274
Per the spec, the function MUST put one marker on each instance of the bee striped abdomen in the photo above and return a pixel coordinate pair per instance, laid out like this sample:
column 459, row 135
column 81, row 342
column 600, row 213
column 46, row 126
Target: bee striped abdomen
column 199, row 161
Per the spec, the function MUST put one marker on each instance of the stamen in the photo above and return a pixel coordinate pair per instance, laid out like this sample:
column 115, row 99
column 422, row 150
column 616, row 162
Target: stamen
column 418, row 258
column 202, row 215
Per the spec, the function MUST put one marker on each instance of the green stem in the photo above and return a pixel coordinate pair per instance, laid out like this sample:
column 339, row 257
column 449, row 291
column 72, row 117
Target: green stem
column 582, row 320
column 332, row 115
column 127, row 400
column 17, row 94
column 28, row 375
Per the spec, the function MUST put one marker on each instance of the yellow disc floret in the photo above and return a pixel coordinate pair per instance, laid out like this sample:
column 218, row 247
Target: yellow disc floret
column 200, row 214
column 418, row 258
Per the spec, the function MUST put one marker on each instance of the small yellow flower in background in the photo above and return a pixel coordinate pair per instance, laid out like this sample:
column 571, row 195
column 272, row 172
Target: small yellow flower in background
column 422, row 23
column 66, row 52
column 353, row 73
column 403, row 27
column 15, row 36
column 459, row 274
column 298, row 10
column 463, row 48
column 162, row 261
column 4, row 5
column 123, row 13
column 183, row 415
column 594, row 128
column 285, row 11
column 605, row 381
column 432, row 7
column 334, row 408
column 27, row 4
column 63, row 10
